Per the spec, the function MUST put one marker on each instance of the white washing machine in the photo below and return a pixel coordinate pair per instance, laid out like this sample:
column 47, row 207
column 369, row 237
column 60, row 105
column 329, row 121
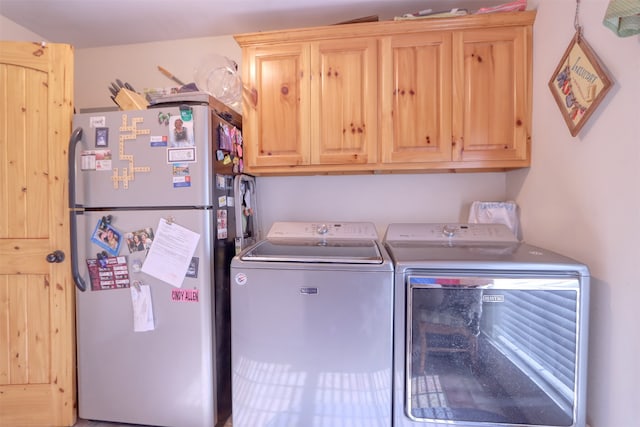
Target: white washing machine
column 489, row 331
column 312, row 328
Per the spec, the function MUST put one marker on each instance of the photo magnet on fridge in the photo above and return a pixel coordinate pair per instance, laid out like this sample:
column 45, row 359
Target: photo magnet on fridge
column 107, row 237
column 192, row 271
column 140, row 240
column 102, row 137
column 181, row 132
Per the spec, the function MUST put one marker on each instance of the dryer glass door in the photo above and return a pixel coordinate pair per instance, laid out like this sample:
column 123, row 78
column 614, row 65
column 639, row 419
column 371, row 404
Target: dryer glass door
column 493, row 349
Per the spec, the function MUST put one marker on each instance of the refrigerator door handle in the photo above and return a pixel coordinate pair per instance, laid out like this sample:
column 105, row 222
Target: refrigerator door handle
column 76, row 136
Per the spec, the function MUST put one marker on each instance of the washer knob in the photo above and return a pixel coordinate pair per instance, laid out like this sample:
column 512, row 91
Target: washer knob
column 323, row 229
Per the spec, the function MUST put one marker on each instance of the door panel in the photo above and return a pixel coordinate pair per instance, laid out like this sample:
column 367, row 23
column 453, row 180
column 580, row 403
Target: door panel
column 37, row 354
column 277, row 123
column 117, row 365
column 344, row 101
column 416, row 98
column 492, row 96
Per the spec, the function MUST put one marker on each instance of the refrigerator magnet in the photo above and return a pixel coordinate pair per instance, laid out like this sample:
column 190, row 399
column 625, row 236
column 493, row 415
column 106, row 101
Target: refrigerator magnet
column 103, row 160
column 108, row 273
column 88, row 161
column 163, row 118
column 192, row 270
column 222, row 224
column 107, row 237
column 140, row 240
column 185, row 295
column 225, row 137
column 221, row 182
column 158, row 141
column 102, row 137
column 96, row 160
column 97, row 121
column 184, row 155
column 181, row 175
column 181, row 134
column 186, row 113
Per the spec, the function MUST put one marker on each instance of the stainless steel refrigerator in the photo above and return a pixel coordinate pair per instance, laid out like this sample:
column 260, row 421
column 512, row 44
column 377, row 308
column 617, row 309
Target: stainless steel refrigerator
column 158, row 208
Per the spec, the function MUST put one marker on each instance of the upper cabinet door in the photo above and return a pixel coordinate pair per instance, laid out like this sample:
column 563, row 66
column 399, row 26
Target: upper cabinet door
column 492, row 94
column 416, row 97
column 276, row 106
column 344, row 101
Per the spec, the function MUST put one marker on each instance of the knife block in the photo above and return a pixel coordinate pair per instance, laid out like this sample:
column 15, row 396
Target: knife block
column 130, row 100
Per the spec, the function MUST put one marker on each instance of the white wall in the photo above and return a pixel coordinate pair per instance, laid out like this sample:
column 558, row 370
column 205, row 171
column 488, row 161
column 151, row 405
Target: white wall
column 381, row 199
column 137, row 64
column 581, row 197
column 11, row 31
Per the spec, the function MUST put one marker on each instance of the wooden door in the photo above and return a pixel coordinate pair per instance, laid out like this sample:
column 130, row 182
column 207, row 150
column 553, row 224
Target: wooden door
column 492, row 94
column 344, row 101
column 276, row 117
column 416, row 98
column 37, row 329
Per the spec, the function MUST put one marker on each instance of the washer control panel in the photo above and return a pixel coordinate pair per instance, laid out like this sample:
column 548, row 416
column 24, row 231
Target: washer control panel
column 323, row 230
column 443, row 232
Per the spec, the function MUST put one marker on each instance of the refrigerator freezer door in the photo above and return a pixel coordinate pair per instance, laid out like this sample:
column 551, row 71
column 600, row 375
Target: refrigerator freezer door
column 162, row 377
column 132, row 158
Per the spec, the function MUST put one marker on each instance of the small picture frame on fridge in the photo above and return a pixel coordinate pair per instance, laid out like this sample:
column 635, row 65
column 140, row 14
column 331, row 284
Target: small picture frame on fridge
column 107, row 237
column 102, row 137
column 181, row 131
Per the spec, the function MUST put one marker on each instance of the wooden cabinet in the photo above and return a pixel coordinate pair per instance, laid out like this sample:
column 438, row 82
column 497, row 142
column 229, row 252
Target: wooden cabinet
column 434, row 94
column 310, row 104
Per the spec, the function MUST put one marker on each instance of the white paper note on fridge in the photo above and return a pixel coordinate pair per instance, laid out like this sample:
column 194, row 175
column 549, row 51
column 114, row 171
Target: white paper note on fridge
column 142, row 308
column 170, row 253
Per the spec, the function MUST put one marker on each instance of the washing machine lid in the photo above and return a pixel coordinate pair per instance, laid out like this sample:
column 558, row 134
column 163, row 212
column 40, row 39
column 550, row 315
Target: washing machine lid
column 319, row 242
column 316, row 251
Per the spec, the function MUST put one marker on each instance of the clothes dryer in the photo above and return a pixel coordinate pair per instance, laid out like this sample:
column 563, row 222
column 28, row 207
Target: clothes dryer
column 489, row 331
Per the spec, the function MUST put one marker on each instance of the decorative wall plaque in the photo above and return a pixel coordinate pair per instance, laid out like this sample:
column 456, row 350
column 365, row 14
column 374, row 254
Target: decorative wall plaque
column 579, row 84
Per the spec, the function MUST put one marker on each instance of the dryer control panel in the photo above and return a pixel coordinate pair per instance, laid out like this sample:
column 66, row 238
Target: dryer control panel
column 323, row 230
column 444, row 232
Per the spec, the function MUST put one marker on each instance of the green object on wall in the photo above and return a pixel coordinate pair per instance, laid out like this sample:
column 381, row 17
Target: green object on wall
column 623, row 17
